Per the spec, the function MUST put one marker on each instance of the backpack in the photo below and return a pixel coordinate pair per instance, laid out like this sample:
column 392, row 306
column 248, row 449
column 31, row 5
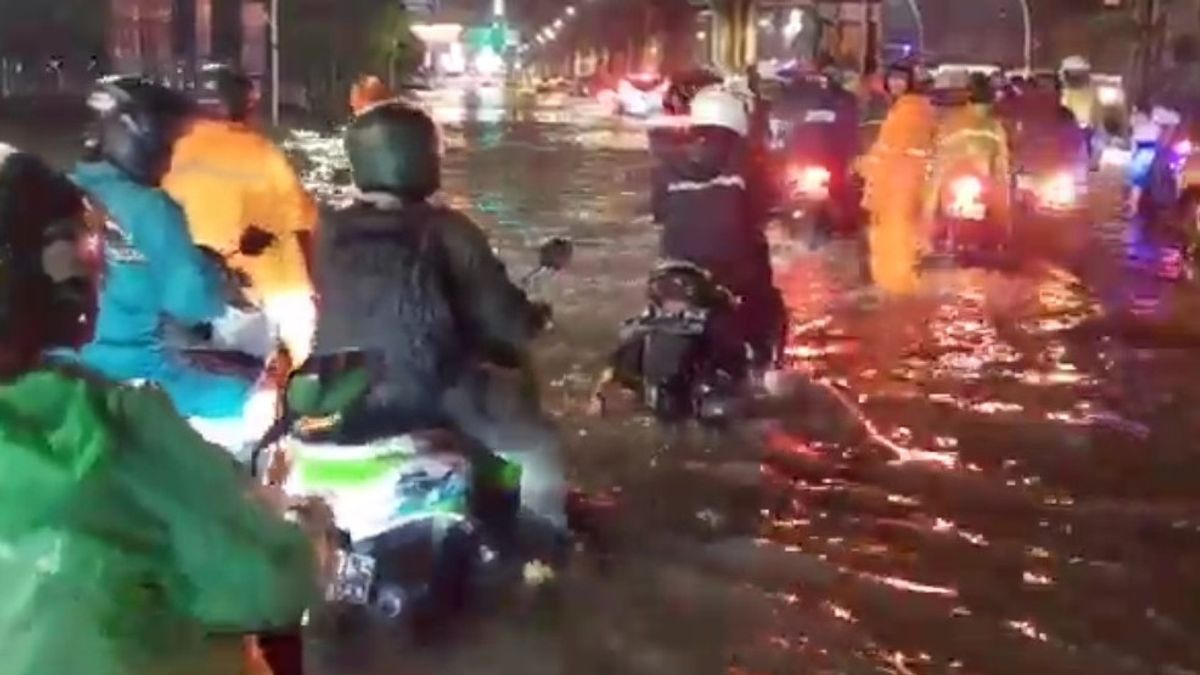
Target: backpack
column 384, row 287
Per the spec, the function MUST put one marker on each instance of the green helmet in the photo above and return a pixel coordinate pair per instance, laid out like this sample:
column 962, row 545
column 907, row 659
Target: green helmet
column 395, row 148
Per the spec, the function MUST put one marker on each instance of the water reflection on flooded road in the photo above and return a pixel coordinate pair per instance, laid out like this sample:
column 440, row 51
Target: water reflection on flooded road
column 972, row 481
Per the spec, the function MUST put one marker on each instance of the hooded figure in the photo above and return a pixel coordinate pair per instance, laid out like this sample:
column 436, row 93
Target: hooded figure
column 895, row 170
column 129, row 543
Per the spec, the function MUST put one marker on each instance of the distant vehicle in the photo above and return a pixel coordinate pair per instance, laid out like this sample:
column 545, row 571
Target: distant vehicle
column 641, row 95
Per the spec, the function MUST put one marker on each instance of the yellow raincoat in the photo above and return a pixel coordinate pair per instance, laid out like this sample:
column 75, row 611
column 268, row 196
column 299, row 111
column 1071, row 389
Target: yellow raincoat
column 895, row 170
column 971, row 139
column 227, row 177
column 1083, row 102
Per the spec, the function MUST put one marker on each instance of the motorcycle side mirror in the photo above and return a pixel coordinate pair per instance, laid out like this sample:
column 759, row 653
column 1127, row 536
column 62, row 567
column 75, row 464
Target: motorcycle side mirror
column 556, row 254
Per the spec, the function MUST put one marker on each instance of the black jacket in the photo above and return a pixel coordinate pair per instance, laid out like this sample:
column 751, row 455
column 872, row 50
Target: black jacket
column 710, row 202
column 817, row 121
column 492, row 319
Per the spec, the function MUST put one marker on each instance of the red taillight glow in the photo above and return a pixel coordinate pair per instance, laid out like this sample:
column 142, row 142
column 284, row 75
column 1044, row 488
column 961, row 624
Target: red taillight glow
column 811, row 181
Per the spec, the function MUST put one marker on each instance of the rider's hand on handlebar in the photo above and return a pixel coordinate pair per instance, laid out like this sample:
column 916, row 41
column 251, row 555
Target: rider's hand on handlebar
column 255, row 241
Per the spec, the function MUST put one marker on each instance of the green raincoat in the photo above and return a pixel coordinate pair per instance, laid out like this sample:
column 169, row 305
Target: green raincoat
column 126, row 542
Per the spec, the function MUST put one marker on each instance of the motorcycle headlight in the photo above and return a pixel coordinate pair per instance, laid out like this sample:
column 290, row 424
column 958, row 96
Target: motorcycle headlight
column 1110, row 95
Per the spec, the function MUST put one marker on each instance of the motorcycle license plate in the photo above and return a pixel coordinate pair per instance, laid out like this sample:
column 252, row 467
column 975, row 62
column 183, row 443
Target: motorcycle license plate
column 1025, row 182
column 353, row 580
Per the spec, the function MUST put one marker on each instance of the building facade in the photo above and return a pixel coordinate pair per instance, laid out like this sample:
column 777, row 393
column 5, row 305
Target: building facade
column 168, row 39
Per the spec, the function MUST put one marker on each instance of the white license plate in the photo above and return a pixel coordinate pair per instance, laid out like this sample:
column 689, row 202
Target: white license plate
column 1024, row 182
column 354, row 578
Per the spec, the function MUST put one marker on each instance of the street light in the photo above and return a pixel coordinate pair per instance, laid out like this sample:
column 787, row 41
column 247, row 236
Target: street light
column 915, row 6
column 274, row 62
column 1028, row 16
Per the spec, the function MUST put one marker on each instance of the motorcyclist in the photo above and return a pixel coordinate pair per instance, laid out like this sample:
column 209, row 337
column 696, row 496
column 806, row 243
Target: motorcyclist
column 1080, row 96
column 895, row 170
column 1043, row 133
column 242, row 198
column 971, row 138
column 821, row 121
column 419, row 284
column 154, row 269
column 713, row 206
column 1179, row 88
column 130, row 545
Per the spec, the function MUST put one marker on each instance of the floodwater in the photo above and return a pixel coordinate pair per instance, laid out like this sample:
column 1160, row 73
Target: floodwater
column 996, row 477
column 999, row 476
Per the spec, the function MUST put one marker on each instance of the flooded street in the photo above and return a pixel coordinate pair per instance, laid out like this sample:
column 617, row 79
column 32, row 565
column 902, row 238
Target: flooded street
column 996, row 477
column 991, row 478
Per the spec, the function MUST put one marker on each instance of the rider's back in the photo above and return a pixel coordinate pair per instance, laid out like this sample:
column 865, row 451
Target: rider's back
column 227, row 177
column 705, row 197
column 383, row 282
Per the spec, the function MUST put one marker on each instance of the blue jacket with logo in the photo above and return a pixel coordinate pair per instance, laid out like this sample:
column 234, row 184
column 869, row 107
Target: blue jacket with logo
column 153, row 270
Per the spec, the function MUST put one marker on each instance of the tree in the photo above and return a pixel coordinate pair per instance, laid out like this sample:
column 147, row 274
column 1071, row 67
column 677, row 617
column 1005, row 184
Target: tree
column 395, row 46
column 327, row 44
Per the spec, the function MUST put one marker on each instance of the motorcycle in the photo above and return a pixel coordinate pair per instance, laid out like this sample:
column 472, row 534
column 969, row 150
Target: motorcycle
column 812, row 199
column 965, row 222
column 683, row 356
column 422, row 518
column 1050, row 194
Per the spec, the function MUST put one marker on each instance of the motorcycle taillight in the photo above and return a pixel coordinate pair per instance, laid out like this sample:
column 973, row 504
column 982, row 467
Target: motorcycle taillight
column 810, row 181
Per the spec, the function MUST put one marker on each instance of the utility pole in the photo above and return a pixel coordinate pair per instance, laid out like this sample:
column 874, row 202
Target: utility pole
column 274, row 37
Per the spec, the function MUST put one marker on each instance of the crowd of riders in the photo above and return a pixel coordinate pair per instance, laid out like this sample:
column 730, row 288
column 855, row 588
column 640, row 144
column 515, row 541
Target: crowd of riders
column 128, row 534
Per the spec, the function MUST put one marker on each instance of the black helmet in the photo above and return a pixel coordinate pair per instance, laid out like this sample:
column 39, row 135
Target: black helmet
column 979, row 89
column 224, row 92
column 46, row 299
column 395, row 148
column 137, row 124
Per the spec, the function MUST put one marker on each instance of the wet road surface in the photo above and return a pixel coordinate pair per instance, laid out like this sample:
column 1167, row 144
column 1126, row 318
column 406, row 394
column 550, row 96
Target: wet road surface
column 994, row 477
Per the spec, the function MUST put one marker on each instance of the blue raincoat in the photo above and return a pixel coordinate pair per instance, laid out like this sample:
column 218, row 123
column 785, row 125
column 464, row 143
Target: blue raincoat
column 153, row 270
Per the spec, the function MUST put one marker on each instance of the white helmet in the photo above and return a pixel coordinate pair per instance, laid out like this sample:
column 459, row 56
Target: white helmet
column 716, row 106
column 1075, row 64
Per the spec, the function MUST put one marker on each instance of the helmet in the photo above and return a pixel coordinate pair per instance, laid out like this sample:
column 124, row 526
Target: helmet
column 684, row 87
column 224, row 92
column 395, row 148
column 136, row 126
column 47, row 298
column 368, row 91
column 718, row 107
column 1075, row 64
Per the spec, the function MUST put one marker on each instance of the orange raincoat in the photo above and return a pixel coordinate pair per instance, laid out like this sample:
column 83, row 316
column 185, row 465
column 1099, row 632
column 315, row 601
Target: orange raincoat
column 896, row 169
column 227, row 177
